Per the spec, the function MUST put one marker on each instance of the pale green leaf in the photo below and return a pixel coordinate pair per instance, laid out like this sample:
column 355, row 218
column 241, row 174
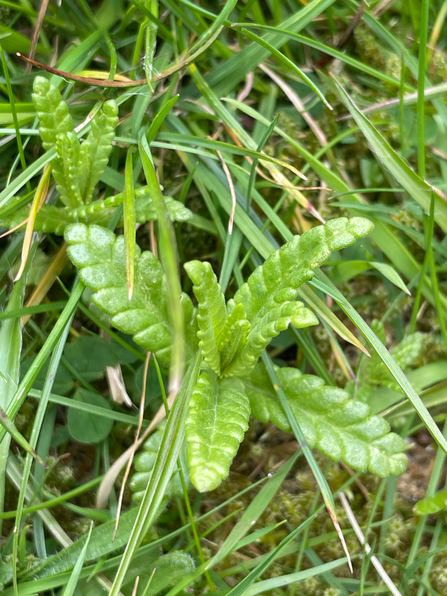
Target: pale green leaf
column 340, row 427
column 212, row 314
column 100, row 257
column 217, row 420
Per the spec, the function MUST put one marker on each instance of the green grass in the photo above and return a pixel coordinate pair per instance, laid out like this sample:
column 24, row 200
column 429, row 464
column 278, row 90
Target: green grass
column 231, row 115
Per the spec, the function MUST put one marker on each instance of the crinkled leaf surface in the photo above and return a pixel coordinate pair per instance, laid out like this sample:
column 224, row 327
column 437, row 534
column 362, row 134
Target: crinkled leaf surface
column 264, row 330
column 274, row 285
column 100, row 257
column 340, row 427
column 54, row 220
column 212, row 314
column 285, row 270
column 65, row 171
column 217, row 420
column 95, row 150
column 52, row 110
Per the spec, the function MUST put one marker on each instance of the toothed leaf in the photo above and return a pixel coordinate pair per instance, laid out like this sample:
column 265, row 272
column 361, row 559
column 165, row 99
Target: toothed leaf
column 376, row 373
column 285, row 270
column 264, row 330
column 52, row 110
column 212, row 314
column 342, row 428
column 54, row 220
column 95, row 150
column 65, row 169
column 100, row 212
column 49, row 219
column 100, row 257
column 233, row 338
column 217, row 420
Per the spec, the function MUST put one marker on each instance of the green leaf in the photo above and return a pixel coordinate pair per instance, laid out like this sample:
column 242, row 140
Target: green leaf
column 52, row 110
column 65, row 169
column 285, row 270
column 262, row 332
column 431, row 505
column 144, row 464
column 346, row 270
column 85, row 427
column 100, row 212
column 101, row 543
column 217, row 420
column 375, row 371
column 212, row 314
column 54, row 220
column 155, row 573
column 63, row 383
column 391, row 274
column 74, row 577
column 287, row 63
column 95, row 150
column 130, row 230
column 169, row 258
column 90, row 355
column 100, row 257
column 49, row 219
column 340, row 427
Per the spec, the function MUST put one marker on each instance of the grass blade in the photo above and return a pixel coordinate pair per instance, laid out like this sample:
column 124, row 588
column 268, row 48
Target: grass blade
column 130, row 230
column 415, row 186
column 287, row 63
column 162, row 472
column 75, row 575
column 169, row 259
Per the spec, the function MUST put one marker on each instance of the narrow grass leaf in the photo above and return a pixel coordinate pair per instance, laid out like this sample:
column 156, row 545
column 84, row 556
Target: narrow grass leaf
column 385, row 238
column 391, row 274
column 31, row 375
column 35, row 432
column 267, row 585
column 130, row 230
column 74, row 577
column 389, row 362
column 10, row 350
column 250, row 515
column 242, row 587
column 9, row 426
column 319, row 477
column 159, row 118
column 415, row 186
column 163, row 468
column 233, row 71
column 169, row 259
column 284, row 61
column 321, row 47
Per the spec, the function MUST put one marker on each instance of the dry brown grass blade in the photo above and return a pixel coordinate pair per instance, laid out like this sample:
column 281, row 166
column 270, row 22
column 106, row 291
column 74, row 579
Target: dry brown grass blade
column 39, row 198
column 40, row 18
column 232, row 192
